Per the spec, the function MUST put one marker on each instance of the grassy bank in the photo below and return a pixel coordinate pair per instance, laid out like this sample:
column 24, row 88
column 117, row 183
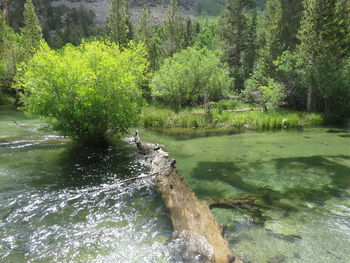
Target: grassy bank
column 156, row 117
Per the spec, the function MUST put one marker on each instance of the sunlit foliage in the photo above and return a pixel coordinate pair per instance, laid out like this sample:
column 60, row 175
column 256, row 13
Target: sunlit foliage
column 89, row 92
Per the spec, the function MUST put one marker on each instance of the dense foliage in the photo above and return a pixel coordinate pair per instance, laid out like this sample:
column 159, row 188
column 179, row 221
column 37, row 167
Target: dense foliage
column 89, row 92
column 273, row 54
column 189, row 76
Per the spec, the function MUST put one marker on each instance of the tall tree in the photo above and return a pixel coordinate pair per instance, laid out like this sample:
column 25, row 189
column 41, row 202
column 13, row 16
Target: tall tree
column 322, row 46
column 31, row 31
column 189, row 33
column 117, row 22
column 234, row 33
column 2, row 31
column 145, row 34
column 277, row 30
column 280, row 27
column 174, row 30
column 250, row 52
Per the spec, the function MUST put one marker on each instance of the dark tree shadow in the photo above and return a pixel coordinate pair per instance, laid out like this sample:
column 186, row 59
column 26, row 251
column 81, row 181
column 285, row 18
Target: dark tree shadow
column 228, row 173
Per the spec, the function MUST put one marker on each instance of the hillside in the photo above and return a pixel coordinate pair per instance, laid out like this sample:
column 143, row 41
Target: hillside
column 99, row 7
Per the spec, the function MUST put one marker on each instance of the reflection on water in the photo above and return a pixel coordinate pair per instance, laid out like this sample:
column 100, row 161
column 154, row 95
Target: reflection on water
column 301, row 178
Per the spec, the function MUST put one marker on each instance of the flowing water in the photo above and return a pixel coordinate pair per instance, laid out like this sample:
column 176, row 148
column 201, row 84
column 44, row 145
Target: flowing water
column 62, row 203
column 301, row 178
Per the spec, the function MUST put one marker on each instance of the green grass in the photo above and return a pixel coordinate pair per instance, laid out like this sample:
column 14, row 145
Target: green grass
column 157, row 117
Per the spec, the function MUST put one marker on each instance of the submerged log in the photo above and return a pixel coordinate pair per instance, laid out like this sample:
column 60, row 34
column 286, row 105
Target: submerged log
column 193, row 223
column 247, row 202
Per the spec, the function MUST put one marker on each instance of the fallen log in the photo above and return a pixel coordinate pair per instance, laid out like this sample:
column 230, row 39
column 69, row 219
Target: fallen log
column 243, row 110
column 193, row 223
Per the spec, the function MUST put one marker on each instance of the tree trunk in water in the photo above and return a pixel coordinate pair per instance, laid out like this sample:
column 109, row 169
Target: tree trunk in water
column 200, row 235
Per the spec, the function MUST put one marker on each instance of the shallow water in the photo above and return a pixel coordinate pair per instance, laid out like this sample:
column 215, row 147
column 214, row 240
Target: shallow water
column 300, row 177
column 62, row 203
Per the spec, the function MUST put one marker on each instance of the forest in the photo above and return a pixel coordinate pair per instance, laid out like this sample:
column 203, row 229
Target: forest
column 283, row 57
column 250, row 97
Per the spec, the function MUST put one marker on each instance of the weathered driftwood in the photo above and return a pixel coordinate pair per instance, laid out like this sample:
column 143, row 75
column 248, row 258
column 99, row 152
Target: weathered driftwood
column 243, row 110
column 193, row 223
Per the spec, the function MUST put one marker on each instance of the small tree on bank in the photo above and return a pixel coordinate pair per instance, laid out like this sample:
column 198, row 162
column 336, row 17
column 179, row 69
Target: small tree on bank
column 89, row 92
column 191, row 77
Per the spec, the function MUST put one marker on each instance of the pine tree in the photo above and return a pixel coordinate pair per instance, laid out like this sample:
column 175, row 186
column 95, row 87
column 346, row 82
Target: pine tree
column 234, row 33
column 145, row 26
column 2, row 31
column 272, row 42
column 117, row 22
column 189, row 33
column 175, row 31
column 250, row 52
column 343, row 19
column 277, row 32
column 31, row 31
column 321, row 46
column 145, row 34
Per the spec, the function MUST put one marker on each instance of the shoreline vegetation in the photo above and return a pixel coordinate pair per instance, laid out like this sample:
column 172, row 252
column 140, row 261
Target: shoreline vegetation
column 157, row 117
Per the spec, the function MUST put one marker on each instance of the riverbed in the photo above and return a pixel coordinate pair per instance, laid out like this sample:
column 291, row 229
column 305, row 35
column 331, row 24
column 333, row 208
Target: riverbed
column 60, row 202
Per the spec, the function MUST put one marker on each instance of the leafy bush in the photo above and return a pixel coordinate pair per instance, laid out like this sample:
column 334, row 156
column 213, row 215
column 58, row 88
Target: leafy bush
column 272, row 95
column 184, row 78
column 269, row 95
column 89, row 92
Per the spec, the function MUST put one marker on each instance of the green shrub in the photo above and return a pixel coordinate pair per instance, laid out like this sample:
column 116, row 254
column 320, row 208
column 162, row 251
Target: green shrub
column 269, row 95
column 89, row 92
column 272, row 95
column 6, row 99
column 184, row 78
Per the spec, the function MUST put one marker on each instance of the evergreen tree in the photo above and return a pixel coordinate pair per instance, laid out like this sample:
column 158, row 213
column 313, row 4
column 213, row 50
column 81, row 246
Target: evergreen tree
column 2, row 31
column 281, row 22
column 174, row 30
column 250, row 52
column 31, row 31
column 145, row 34
column 145, row 26
column 322, row 47
column 117, row 22
column 189, row 33
column 277, row 33
column 234, row 33
column 343, row 18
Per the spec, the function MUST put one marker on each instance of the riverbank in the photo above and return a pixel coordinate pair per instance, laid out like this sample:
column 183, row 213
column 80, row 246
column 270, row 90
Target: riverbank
column 157, row 117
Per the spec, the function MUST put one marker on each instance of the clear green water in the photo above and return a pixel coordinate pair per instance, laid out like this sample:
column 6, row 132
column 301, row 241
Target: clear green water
column 301, row 177
column 60, row 203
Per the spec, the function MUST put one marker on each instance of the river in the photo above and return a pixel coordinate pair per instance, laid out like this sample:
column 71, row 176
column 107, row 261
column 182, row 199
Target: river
column 62, row 203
